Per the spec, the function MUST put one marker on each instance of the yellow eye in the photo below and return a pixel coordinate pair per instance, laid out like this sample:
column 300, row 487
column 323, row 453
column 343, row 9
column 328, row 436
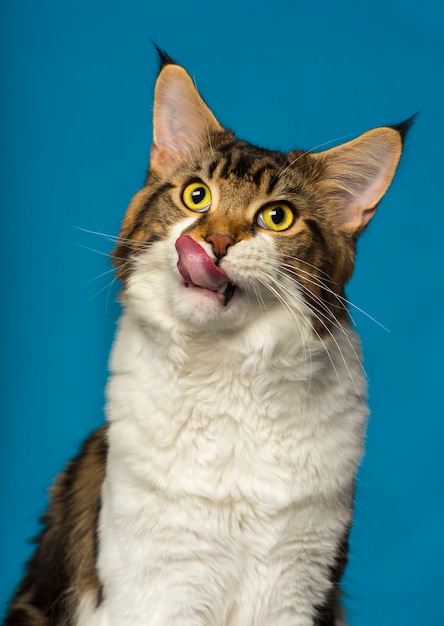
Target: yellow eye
column 197, row 197
column 276, row 217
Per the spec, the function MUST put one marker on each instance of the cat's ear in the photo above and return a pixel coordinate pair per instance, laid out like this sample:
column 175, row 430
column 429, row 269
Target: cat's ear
column 358, row 173
column 182, row 121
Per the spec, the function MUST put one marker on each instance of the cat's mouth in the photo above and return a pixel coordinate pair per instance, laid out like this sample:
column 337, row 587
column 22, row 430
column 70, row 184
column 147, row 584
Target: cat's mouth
column 199, row 271
column 225, row 293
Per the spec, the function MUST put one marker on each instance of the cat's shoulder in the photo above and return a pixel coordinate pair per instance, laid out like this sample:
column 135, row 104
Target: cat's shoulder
column 65, row 557
column 80, row 482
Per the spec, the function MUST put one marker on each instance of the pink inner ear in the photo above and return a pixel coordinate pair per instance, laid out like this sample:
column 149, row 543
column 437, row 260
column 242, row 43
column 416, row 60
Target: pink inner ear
column 181, row 121
column 359, row 209
column 153, row 152
column 196, row 267
column 366, row 216
column 353, row 217
column 360, row 172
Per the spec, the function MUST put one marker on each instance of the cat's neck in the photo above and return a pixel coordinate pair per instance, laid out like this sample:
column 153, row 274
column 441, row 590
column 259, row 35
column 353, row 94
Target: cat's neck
column 271, row 340
column 275, row 349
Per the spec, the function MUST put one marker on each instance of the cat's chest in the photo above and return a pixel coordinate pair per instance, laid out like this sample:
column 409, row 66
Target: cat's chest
column 214, row 462
column 228, row 423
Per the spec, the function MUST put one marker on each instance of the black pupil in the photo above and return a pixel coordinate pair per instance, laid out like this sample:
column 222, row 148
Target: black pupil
column 198, row 195
column 277, row 215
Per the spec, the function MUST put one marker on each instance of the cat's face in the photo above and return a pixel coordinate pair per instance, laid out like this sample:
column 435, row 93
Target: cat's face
column 224, row 232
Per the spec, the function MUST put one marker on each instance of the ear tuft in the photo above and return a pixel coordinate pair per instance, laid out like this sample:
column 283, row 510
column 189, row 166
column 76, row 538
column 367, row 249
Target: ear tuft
column 164, row 57
column 404, row 127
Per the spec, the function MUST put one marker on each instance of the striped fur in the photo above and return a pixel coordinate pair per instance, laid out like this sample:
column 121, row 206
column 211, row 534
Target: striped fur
column 62, row 569
column 282, row 318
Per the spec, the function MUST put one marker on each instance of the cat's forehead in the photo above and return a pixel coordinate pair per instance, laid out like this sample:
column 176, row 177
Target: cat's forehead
column 243, row 161
column 238, row 167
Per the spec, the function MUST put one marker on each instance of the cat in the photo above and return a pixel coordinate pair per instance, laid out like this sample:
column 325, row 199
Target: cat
column 220, row 490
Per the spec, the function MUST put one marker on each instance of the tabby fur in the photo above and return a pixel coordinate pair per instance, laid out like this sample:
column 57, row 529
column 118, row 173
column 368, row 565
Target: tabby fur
column 220, row 492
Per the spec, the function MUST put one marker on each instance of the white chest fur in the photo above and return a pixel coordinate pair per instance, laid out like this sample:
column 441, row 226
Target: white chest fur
column 229, row 477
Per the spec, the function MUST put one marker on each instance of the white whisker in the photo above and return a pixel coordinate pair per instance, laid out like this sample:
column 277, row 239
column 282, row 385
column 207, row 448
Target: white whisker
column 205, row 120
column 91, row 280
column 79, row 245
column 333, row 320
column 299, row 260
column 345, row 302
column 107, row 286
column 286, row 295
column 112, row 238
column 294, row 314
column 304, row 153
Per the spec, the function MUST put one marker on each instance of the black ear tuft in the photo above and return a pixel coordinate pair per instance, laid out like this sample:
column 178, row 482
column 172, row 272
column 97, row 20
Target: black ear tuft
column 404, row 127
column 164, row 58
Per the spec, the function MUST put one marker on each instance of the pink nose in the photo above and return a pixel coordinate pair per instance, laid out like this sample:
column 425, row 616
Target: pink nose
column 220, row 243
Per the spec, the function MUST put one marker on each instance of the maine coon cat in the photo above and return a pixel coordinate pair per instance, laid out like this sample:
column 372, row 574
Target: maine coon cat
column 220, row 491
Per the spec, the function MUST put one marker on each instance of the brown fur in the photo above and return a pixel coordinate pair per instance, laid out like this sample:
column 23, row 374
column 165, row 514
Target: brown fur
column 62, row 569
column 332, row 195
column 248, row 178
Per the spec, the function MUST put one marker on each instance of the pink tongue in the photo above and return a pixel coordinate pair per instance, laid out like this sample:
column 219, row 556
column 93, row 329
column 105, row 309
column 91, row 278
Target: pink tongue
column 196, row 267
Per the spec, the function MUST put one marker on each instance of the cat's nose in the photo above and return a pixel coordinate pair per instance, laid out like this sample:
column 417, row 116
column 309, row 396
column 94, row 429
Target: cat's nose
column 220, row 243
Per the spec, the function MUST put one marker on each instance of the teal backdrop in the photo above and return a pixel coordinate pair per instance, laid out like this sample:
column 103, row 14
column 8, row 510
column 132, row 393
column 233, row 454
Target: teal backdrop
column 77, row 80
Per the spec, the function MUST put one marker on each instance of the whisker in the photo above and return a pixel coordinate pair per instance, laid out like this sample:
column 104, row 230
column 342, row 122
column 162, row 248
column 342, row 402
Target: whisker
column 91, row 280
column 315, row 280
column 205, row 120
column 299, row 260
column 304, row 153
column 107, row 286
column 293, row 314
column 113, row 238
column 110, row 285
column 79, row 245
column 332, row 319
column 367, row 315
column 315, row 331
column 258, row 296
column 319, row 315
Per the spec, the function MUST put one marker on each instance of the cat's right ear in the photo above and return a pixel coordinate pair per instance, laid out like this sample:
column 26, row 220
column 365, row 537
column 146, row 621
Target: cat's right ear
column 182, row 121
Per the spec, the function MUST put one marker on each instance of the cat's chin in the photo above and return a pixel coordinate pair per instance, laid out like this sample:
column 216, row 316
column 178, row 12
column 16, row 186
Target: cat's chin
column 203, row 308
column 223, row 298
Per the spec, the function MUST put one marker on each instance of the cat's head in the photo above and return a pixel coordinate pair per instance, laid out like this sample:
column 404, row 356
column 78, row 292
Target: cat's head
column 224, row 232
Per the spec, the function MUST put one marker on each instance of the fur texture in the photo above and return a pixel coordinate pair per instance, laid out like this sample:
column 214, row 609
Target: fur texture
column 236, row 402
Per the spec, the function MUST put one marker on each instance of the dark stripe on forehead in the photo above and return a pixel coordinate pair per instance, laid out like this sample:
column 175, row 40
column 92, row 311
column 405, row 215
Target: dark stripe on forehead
column 281, row 161
column 226, row 170
column 243, row 165
column 240, row 158
column 212, row 167
column 272, row 183
column 258, row 175
column 267, row 167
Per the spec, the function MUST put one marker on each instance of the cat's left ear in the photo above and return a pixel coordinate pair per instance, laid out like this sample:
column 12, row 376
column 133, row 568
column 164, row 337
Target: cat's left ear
column 358, row 173
column 182, row 122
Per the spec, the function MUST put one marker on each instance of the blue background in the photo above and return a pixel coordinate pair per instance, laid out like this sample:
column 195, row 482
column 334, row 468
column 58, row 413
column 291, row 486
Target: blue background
column 77, row 80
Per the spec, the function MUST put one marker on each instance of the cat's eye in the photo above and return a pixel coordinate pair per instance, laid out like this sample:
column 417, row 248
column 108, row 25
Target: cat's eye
column 197, row 197
column 276, row 217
